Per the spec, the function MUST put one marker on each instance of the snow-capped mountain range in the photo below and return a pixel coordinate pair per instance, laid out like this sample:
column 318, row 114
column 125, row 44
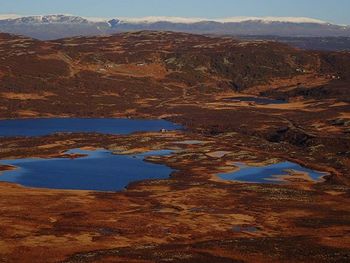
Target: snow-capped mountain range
column 48, row 19
column 184, row 20
column 152, row 19
column 59, row 26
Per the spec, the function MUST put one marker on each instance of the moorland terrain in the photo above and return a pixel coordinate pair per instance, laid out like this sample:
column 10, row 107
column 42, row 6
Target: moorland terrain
column 191, row 80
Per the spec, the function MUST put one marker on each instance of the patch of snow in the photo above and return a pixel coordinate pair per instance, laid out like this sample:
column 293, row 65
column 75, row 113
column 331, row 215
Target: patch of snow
column 9, row 16
column 186, row 20
column 66, row 18
column 155, row 19
column 37, row 19
column 271, row 19
column 97, row 19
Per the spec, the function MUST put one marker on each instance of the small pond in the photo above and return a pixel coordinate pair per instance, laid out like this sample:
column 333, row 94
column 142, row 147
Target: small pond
column 249, row 229
column 41, row 127
column 257, row 100
column 269, row 174
column 99, row 170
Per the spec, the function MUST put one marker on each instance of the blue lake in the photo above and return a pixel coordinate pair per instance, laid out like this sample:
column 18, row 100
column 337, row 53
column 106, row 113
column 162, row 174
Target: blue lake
column 41, row 127
column 100, row 170
column 258, row 100
column 269, row 174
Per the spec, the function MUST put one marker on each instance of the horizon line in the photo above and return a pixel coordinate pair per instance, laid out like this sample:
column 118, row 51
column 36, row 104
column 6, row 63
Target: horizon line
column 182, row 19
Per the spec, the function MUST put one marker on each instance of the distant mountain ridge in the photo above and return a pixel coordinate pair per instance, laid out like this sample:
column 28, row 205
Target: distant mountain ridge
column 52, row 19
column 60, row 26
column 183, row 20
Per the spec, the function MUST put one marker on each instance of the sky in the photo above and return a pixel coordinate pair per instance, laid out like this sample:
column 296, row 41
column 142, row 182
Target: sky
column 335, row 11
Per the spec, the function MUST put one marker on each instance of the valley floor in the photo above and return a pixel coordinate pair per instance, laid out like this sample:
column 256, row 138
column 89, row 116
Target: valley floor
column 191, row 217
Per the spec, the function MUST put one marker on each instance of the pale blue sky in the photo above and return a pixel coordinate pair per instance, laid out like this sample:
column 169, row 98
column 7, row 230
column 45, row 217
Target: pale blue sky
column 337, row 11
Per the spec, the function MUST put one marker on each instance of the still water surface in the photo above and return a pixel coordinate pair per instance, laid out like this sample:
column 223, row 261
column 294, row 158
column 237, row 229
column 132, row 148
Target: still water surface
column 41, row 127
column 269, row 174
column 100, row 170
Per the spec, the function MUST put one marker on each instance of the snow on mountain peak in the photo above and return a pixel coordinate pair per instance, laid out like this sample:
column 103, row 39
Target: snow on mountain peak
column 153, row 19
column 9, row 16
column 156, row 19
column 37, row 19
column 185, row 20
column 273, row 19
